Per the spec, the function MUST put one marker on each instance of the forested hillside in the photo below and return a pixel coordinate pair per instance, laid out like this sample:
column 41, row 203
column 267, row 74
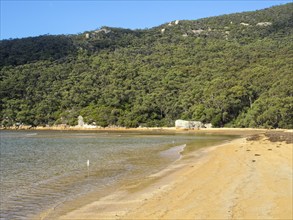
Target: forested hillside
column 231, row 70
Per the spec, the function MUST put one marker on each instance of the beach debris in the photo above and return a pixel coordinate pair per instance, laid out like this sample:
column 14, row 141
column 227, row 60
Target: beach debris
column 256, row 155
column 279, row 136
column 269, row 149
column 247, row 150
column 254, row 137
column 253, row 161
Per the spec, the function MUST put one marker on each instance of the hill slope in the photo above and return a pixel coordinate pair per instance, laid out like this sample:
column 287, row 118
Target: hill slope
column 231, row 70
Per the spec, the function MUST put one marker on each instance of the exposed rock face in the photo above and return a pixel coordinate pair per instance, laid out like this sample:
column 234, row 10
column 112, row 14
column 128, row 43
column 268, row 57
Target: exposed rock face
column 264, row 24
column 163, row 30
column 106, row 31
column 197, row 31
column 244, row 24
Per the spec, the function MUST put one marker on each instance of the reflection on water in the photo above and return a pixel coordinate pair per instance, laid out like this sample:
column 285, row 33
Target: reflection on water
column 40, row 169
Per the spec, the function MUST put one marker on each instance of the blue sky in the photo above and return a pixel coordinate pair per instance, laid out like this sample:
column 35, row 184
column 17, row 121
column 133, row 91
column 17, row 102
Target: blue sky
column 32, row 18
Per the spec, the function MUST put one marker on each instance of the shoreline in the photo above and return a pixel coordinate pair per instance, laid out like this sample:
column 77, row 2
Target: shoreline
column 174, row 153
column 161, row 129
column 249, row 177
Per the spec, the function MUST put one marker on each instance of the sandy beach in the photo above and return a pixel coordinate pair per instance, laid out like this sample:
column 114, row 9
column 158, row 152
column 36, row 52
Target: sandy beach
column 247, row 178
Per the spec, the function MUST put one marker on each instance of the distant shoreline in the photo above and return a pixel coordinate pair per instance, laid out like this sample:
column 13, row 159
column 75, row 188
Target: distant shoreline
column 76, row 128
column 224, row 131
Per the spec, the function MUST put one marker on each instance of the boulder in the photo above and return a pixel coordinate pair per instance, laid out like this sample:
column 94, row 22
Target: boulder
column 188, row 124
column 209, row 125
column 80, row 121
column 196, row 124
column 182, row 124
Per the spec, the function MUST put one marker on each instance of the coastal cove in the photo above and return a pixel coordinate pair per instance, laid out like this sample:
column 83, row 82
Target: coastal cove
column 189, row 119
column 46, row 170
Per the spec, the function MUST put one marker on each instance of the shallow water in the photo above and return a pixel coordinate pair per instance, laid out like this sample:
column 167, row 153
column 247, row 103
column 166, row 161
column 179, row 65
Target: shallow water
column 41, row 169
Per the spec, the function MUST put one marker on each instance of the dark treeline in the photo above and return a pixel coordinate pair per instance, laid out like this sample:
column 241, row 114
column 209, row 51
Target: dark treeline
column 232, row 70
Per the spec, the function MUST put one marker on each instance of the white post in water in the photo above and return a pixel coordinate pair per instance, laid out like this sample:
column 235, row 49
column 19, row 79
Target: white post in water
column 88, row 168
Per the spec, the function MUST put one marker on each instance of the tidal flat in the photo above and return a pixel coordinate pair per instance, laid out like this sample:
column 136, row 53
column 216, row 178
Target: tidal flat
column 46, row 171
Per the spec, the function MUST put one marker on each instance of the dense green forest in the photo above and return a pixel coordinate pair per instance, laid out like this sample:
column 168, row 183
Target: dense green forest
column 231, row 70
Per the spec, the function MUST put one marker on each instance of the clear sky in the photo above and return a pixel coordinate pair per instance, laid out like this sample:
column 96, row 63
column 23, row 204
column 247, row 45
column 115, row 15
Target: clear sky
column 32, row 18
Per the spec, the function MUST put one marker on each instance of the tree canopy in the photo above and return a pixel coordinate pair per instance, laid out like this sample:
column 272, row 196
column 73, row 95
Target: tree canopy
column 232, row 70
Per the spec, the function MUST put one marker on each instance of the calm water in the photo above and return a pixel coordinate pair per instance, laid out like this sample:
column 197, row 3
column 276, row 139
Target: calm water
column 41, row 169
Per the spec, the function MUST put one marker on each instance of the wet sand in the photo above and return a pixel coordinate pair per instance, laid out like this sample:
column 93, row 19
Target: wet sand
column 247, row 178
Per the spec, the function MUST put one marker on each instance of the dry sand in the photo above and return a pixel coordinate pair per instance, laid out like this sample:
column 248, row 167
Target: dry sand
column 248, row 178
